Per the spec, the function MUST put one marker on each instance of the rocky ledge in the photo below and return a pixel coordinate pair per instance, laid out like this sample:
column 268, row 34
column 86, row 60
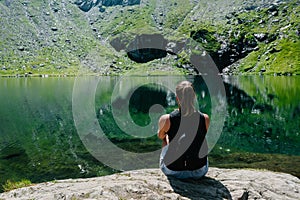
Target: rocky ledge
column 153, row 184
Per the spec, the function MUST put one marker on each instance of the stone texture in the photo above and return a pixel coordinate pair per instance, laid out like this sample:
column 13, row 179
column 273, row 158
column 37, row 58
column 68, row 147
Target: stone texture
column 153, row 184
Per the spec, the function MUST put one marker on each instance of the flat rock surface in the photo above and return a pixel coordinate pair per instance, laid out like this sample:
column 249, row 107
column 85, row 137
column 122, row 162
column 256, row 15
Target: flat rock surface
column 153, row 184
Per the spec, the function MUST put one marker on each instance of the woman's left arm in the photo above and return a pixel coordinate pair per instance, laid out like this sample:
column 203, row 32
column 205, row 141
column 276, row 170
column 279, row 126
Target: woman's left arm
column 163, row 126
column 207, row 121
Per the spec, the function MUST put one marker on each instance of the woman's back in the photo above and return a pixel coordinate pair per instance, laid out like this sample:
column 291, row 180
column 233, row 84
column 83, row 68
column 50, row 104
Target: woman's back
column 186, row 137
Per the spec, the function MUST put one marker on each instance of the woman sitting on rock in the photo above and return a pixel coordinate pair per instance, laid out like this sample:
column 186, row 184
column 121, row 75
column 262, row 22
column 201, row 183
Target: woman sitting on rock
column 184, row 152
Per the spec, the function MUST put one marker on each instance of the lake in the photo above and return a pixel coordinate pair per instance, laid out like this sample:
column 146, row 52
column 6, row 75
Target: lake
column 47, row 124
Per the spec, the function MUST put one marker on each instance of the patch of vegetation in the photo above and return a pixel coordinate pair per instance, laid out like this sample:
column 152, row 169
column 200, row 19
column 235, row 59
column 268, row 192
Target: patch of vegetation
column 272, row 162
column 177, row 12
column 206, row 39
column 282, row 59
column 132, row 20
column 11, row 185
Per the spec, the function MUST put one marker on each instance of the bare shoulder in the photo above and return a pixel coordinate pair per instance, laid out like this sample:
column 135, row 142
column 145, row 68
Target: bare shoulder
column 164, row 117
column 206, row 116
column 164, row 120
column 207, row 120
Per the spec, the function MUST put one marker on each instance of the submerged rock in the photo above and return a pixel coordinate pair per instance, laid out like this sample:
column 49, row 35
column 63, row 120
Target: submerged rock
column 153, row 184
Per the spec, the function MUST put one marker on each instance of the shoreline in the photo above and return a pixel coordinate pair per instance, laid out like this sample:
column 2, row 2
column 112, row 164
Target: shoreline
column 128, row 74
column 277, row 163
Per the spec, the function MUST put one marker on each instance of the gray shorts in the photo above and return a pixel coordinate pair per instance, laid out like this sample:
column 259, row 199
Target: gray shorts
column 195, row 174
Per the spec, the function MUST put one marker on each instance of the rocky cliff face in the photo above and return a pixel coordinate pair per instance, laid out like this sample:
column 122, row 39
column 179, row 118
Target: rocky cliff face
column 152, row 184
column 87, row 5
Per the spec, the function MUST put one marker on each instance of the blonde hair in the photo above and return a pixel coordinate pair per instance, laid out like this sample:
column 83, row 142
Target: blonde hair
column 186, row 98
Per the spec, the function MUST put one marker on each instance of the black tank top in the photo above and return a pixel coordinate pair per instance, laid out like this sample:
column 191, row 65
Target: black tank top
column 187, row 138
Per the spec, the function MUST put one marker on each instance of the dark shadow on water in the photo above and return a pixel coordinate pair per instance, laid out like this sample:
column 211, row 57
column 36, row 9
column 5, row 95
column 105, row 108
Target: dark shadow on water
column 204, row 188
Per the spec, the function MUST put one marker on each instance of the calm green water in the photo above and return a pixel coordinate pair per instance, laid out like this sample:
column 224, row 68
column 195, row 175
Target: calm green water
column 39, row 141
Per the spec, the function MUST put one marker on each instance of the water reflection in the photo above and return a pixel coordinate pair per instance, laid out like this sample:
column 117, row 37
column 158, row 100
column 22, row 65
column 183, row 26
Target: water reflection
column 281, row 92
column 264, row 113
column 38, row 139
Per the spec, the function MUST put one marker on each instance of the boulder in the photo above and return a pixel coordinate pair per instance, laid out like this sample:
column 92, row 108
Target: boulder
column 260, row 36
column 153, row 184
column 21, row 48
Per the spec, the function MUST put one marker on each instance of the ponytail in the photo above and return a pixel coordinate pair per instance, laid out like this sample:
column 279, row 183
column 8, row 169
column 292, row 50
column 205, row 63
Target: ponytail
column 186, row 98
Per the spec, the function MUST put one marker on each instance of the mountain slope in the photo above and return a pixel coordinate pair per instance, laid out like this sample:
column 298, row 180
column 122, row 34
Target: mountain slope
column 63, row 37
